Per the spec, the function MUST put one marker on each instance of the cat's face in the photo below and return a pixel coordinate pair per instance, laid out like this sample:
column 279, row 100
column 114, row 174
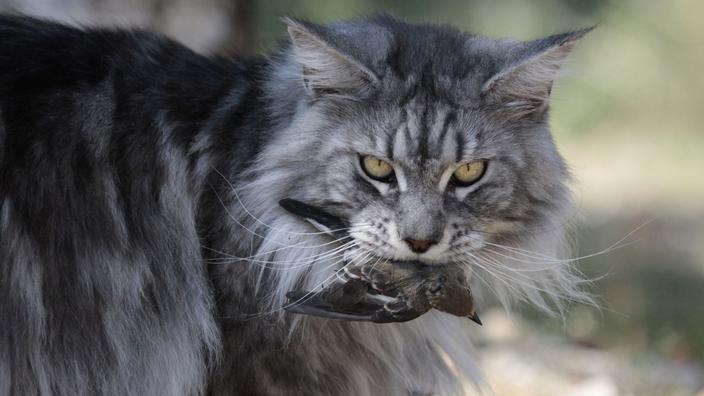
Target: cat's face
column 434, row 151
column 433, row 144
column 432, row 180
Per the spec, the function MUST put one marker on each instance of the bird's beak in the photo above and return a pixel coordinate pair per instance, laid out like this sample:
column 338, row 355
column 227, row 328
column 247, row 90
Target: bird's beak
column 475, row 318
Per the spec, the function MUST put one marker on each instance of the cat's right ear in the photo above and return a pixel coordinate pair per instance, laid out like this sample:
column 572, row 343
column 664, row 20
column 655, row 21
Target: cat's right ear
column 326, row 69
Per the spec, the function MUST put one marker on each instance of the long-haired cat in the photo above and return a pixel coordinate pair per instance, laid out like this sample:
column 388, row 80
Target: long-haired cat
column 142, row 248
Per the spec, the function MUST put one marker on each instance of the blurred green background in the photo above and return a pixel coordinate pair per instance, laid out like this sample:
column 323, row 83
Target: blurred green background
column 628, row 117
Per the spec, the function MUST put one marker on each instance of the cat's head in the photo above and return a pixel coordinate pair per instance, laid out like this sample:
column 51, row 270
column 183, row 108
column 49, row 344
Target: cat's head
column 434, row 140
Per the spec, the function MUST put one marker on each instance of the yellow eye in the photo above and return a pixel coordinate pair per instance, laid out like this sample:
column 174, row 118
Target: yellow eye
column 469, row 173
column 377, row 168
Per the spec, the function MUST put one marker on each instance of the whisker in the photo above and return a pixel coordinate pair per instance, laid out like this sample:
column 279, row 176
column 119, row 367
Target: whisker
column 234, row 259
column 532, row 254
column 506, row 279
column 586, row 299
column 377, row 262
column 239, row 200
column 493, row 290
column 363, row 252
column 232, row 217
column 280, row 266
column 534, row 264
column 307, row 296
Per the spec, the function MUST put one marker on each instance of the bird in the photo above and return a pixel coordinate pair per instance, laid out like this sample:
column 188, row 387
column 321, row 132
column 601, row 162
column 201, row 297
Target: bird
column 380, row 292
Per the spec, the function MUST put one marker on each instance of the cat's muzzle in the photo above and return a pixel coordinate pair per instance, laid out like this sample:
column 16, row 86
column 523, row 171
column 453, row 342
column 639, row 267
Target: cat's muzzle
column 380, row 291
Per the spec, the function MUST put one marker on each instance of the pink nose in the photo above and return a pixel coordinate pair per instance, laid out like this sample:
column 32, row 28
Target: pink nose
column 419, row 246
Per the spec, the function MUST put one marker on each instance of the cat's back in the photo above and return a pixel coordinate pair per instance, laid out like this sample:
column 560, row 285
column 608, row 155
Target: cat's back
column 40, row 58
column 71, row 97
column 37, row 53
column 102, row 290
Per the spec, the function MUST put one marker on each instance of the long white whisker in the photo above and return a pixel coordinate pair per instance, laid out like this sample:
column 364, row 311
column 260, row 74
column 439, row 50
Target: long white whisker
column 232, row 217
column 618, row 245
column 234, row 190
column 280, row 266
column 535, row 265
column 267, row 253
column 493, row 274
column 251, row 259
column 536, row 255
column 493, row 290
column 363, row 252
column 308, row 295
column 377, row 262
column 499, row 269
column 588, row 299
column 506, row 278
column 498, row 272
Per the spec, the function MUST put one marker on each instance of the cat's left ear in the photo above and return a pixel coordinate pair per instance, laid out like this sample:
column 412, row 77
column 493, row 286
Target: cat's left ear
column 327, row 68
column 524, row 84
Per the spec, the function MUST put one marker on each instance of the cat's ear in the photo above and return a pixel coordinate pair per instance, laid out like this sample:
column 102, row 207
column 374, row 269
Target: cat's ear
column 524, row 84
column 326, row 69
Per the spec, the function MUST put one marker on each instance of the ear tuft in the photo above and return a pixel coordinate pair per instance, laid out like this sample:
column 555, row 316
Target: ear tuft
column 525, row 84
column 326, row 70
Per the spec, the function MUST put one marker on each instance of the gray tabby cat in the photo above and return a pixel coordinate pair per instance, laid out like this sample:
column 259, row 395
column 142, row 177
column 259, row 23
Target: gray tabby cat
column 142, row 247
column 421, row 102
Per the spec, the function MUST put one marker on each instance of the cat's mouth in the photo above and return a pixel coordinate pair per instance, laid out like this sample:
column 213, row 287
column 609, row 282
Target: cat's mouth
column 380, row 291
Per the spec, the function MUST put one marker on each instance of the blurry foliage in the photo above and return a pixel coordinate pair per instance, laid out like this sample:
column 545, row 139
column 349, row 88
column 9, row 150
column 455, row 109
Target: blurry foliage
column 649, row 291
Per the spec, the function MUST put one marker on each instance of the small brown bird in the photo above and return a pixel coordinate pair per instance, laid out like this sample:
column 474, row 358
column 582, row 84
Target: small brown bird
column 381, row 292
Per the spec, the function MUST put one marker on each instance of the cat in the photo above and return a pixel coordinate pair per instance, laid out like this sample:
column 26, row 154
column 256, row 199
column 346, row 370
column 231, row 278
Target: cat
column 142, row 247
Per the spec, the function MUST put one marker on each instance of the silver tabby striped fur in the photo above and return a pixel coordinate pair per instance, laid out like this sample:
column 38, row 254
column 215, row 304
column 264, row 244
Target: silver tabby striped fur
column 508, row 231
column 142, row 248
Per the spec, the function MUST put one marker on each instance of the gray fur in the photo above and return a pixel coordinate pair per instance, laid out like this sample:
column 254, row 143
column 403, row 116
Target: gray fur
column 142, row 247
column 436, row 97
